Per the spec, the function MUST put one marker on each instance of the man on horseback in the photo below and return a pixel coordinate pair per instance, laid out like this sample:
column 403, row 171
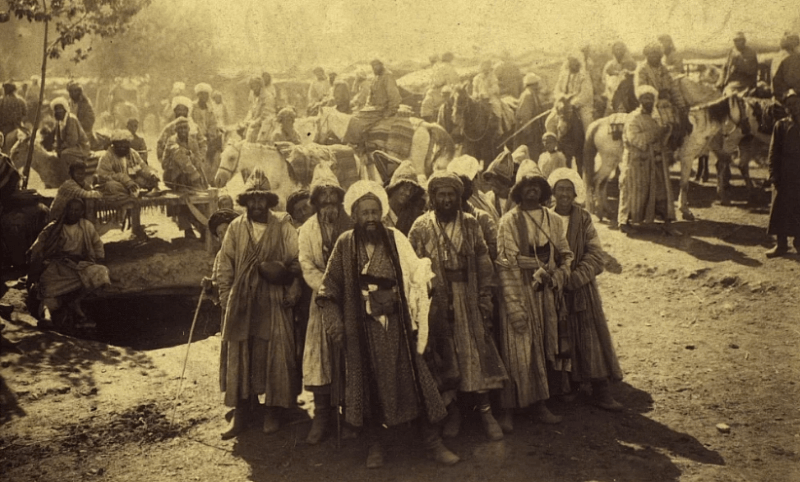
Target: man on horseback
column 318, row 90
column 530, row 106
column 575, row 85
column 384, row 96
column 740, row 73
column 486, row 88
column 670, row 107
column 615, row 71
column 673, row 61
column 286, row 133
column 181, row 108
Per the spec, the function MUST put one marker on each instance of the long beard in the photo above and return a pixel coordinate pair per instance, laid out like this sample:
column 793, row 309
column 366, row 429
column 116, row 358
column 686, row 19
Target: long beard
column 329, row 213
column 369, row 236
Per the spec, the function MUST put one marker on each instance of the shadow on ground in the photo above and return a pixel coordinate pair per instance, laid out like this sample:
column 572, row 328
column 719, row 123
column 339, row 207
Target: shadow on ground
column 590, row 444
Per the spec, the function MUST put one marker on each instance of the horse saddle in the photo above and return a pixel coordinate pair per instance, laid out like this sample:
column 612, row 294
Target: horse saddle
column 616, row 125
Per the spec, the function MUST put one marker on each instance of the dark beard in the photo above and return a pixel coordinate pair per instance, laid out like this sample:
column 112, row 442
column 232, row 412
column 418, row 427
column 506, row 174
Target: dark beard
column 448, row 215
column 369, row 237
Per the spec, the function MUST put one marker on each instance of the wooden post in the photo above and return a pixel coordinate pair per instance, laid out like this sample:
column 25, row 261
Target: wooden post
column 26, row 172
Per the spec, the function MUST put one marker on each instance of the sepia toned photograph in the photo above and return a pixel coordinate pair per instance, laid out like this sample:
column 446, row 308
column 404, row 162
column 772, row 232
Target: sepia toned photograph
column 398, row 240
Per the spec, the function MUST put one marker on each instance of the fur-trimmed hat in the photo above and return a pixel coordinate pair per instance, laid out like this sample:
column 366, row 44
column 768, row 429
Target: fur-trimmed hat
column 258, row 185
column 223, row 216
column 528, row 171
column 62, row 101
column 324, row 178
column 404, row 174
column 120, row 135
column 646, row 89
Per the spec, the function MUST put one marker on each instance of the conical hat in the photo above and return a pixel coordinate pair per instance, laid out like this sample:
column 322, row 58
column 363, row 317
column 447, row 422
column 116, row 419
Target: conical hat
column 527, row 170
column 502, row 167
column 405, row 173
column 324, row 178
column 257, row 185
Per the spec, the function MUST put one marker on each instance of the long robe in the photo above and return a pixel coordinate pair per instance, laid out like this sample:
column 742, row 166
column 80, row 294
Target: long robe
column 593, row 356
column 315, row 248
column 529, row 107
column 386, row 378
column 68, row 262
column 527, row 355
column 464, row 354
column 257, row 355
column 644, row 174
column 784, row 171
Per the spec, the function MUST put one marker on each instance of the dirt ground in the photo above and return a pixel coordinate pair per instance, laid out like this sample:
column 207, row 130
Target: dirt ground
column 707, row 331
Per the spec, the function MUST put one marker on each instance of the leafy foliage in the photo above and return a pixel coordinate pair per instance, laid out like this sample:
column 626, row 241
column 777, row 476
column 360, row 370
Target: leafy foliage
column 75, row 20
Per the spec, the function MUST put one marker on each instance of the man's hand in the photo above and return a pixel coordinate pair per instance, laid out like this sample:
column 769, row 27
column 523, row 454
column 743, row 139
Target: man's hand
column 519, row 321
column 336, row 335
column 134, row 190
column 207, row 284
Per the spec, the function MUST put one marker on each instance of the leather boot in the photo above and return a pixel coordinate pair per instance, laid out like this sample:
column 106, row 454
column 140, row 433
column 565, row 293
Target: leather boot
column 322, row 418
column 602, row 397
column 375, row 456
column 434, row 448
column 506, row 421
column 490, row 425
column 238, row 421
column 271, row 422
column 452, row 423
column 780, row 249
column 544, row 415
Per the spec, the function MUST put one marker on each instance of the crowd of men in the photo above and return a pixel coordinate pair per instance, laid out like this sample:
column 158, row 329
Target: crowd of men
column 407, row 302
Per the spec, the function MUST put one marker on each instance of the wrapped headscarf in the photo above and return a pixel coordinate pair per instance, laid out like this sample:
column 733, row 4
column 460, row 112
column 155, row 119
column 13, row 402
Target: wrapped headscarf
column 366, row 189
column 566, row 174
column 653, row 47
column 62, row 101
column 466, row 166
column 181, row 100
column 285, row 113
column 440, row 179
column 646, row 89
column 531, row 79
column 121, row 135
column 203, row 87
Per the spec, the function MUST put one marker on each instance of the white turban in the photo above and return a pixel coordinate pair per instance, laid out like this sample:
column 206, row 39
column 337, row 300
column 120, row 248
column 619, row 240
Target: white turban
column 567, row 174
column 181, row 100
column 359, row 189
column 646, row 89
column 203, row 87
column 178, row 86
column 62, row 101
column 466, row 166
column 531, row 79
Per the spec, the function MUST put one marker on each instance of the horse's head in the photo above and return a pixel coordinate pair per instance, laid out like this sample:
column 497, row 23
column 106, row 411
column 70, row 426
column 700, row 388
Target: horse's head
column 563, row 108
column 460, row 101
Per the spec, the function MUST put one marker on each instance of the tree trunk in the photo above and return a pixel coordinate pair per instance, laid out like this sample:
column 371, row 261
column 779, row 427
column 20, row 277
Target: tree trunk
column 32, row 140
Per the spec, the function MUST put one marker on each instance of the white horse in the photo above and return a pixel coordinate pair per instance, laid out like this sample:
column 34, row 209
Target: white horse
column 432, row 148
column 599, row 142
column 242, row 156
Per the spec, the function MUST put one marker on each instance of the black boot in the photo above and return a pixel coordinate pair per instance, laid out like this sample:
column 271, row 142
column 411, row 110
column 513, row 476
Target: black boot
column 432, row 442
column 322, row 418
column 238, row 421
column 602, row 397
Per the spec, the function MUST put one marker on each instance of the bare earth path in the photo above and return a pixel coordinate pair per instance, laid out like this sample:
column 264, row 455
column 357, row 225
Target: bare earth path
column 707, row 330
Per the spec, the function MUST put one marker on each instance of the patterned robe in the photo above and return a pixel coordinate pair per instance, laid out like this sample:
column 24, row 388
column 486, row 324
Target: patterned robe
column 257, row 355
column 593, row 356
column 386, row 378
column 522, row 249
column 464, row 355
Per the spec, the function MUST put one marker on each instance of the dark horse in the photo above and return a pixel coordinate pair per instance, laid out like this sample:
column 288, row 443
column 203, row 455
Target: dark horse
column 478, row 125
column 565, row 122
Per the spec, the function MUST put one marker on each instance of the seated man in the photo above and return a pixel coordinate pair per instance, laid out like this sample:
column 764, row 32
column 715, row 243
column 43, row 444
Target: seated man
column 182, row 172
column 181, row 108
column 286, row 135
column 122, row 174
column 64, row 266
column 73, row 188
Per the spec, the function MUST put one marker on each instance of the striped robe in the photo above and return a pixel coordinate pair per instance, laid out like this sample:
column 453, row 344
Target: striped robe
column 593, row 356
column 644, row 174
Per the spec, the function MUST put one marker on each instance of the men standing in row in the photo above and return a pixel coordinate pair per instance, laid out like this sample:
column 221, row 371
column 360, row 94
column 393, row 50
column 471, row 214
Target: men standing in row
column 316, row 239
column 740, row 73
column 375, row 305
column 257, row 271
column 12, row 109
column 462, row 354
